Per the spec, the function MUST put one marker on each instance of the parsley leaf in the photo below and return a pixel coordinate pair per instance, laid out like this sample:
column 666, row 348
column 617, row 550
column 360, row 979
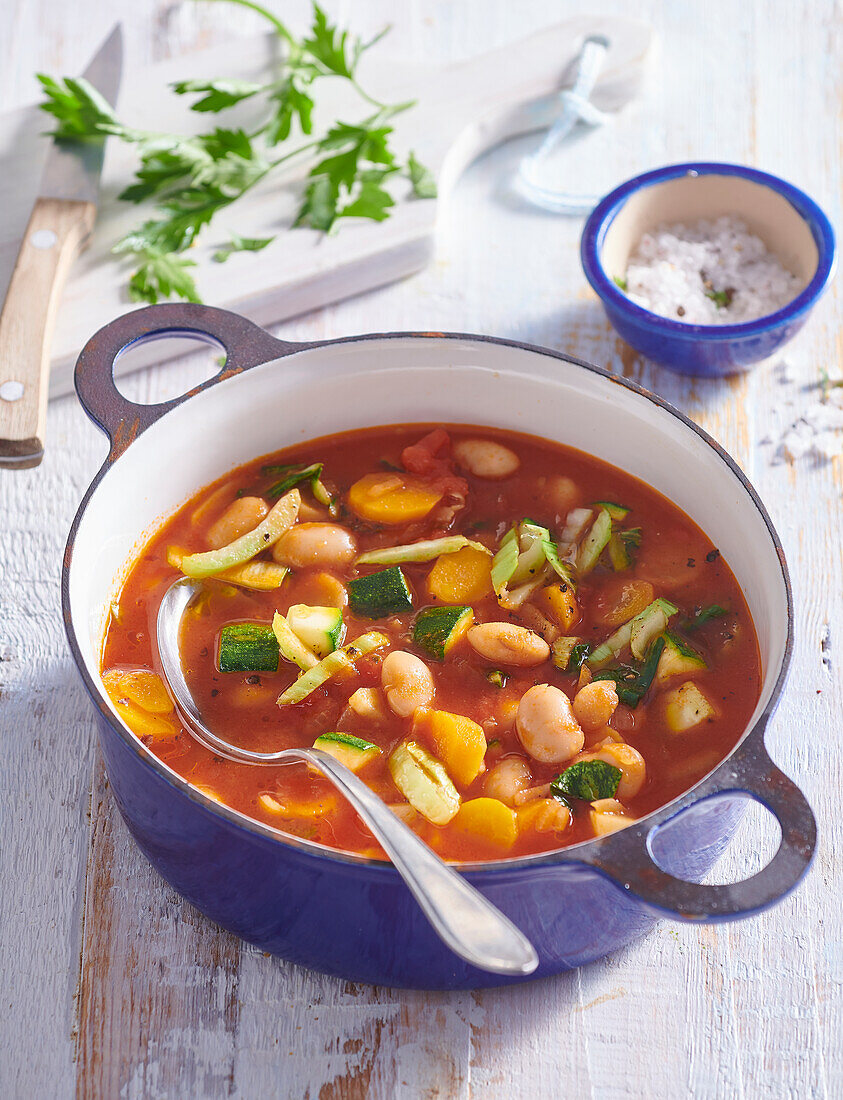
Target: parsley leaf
column 424, row 185
column 162, row 275
column 241, row 244
column 371, row 201
column 186, row 213
column 81, row 112
column 291, row 100
column 219, row 94
column 190, row 178
column 327, row 45
column 348, row 182
column 704, row 615
column 578, row 656
column 589, row 780
column 338, row 52
column 721, row 298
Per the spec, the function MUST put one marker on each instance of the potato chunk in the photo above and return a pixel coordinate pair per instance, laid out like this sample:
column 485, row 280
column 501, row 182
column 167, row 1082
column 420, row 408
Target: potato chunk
column 686, row 707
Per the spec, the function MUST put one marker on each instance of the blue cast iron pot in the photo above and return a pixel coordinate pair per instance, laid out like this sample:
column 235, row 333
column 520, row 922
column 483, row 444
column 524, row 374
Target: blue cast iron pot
column 344, row 914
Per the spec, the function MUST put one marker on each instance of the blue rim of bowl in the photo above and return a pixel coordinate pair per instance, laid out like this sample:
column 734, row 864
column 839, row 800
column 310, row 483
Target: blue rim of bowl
column 601, row 218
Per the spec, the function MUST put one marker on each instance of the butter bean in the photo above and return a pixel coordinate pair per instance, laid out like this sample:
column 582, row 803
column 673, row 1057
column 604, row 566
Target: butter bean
column 241, row 516
column 508, row 644
column 486, row 459
column 407, row 682
column 315, row 545
column 546, row 725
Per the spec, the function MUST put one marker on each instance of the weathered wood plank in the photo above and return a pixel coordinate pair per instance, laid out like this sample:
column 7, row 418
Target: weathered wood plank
column 158, row 1004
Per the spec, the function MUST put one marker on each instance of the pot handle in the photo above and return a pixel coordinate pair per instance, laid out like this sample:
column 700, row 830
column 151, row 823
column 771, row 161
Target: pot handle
column 245, row 344
column 627, row 856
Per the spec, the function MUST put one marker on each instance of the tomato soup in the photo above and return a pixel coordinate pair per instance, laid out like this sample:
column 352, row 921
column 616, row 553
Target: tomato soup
column 515, row 645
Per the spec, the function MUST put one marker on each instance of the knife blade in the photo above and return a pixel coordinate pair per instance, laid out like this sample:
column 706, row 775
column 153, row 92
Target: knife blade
column 59, row 228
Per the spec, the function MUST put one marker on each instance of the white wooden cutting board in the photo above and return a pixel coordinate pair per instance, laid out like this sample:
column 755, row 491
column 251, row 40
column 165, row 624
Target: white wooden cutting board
column 462, row 109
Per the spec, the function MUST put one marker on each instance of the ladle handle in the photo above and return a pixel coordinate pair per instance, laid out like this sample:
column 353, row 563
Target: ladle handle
column 469, row 924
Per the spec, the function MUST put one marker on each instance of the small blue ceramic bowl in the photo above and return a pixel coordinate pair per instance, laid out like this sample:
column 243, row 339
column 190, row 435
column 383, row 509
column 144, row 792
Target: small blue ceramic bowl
column 790, row 224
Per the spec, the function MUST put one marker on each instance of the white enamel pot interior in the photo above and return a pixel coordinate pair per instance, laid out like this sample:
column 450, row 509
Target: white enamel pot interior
column 162, row 455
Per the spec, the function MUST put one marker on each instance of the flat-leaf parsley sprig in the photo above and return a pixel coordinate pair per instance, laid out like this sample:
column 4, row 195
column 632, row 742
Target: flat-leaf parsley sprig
column 190, row 179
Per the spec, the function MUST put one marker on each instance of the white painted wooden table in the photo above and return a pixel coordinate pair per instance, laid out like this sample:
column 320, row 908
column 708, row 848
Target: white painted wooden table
column 110, row 985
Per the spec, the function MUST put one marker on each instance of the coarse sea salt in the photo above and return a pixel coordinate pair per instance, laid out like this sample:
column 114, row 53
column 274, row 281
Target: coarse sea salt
column 708, row 273
column 816, row 432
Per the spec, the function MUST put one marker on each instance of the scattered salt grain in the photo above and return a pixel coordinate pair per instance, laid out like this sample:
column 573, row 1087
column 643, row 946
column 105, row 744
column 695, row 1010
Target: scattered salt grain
column 817, row 432
column 709, row 273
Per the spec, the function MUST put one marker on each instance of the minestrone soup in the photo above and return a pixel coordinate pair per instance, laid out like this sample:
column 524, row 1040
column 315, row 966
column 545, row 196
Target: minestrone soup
column 515, row 645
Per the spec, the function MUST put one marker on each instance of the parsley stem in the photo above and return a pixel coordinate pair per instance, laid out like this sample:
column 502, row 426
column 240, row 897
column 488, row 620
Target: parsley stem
column 293, row 153
column 369, row 98
column 267, row 14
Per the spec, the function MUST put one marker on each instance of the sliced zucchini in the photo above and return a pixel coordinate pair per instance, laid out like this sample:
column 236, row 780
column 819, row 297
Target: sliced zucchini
column 354, row 752
column 562, row 650
column 677, row 659
column 622, row 547
column 618, row 641
column 295, row 475
column 513, row 599
column 505, row 561
column 616, row 511
column 380, row 594
column 338, row 661
column 423, row 781
column 262, row 576
column 438, row 629
column 497, row 678
column 607, row 816
column 426, row 550
column 561, row 568
column 266, row 534
column 632, row 684
column 619, row 554
column 644, row 631
column 321, row 629
column 290, row 645
column 247, row 647
column 686, row 707
column 532, row 557
column 524, row 557
column 594, row 543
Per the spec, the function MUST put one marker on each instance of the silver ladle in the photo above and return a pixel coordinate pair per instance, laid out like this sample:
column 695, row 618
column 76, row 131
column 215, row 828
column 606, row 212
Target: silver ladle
column 470, row 925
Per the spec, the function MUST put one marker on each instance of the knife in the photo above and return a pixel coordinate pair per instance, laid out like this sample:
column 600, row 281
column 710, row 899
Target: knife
column 59, row 228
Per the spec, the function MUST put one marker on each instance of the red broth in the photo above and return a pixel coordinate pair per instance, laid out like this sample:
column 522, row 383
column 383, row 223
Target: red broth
column 672, row 555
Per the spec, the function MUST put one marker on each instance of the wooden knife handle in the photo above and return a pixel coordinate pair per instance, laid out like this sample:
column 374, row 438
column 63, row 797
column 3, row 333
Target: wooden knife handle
column 57, row 231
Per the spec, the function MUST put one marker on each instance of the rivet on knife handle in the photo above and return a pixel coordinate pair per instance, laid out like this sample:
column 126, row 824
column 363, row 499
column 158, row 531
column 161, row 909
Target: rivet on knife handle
column 56, row 231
